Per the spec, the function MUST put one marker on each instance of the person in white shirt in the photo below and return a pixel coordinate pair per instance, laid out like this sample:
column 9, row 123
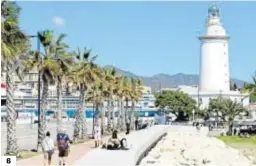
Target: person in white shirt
column 97, row 135
column 48, row 148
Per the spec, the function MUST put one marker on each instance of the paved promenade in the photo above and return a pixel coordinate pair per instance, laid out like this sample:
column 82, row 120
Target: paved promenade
column 27, row 136
column 77, row 152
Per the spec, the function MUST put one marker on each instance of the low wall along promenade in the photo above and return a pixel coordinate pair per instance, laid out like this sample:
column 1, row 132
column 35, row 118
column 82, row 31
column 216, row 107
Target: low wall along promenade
column 139, row 143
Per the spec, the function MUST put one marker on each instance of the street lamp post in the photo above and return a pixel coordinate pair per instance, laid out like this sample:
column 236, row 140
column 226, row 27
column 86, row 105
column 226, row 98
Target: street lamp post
column 193, row 112
column 93, row 120
column 39, row 82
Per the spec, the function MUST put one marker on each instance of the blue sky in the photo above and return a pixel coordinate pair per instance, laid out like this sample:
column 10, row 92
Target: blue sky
column 147, row 38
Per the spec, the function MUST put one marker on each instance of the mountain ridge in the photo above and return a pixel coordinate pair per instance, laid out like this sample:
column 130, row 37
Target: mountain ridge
column 163, row 80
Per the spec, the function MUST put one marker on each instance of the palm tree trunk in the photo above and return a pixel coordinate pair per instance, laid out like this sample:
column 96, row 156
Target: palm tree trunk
column 102, row 120
column 108, row 117
column 126, row 111
column 80, row 122
column 119, row 118
column 132, row 116
column 12, row 146
column 43, row 108
column 59, row 105
column 122, row 116
column 84, row 125
column 112, row 106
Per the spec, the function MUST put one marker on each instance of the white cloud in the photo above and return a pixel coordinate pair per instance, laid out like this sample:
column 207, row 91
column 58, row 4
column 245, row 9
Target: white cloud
column 58, row 21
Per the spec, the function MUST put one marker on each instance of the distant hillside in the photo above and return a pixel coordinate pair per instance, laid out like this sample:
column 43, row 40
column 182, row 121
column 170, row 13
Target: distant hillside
column 169, row 81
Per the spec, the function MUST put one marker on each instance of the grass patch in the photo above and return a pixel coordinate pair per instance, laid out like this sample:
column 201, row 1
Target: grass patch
column 27, row 154
column 237, row 139
column 247, row 146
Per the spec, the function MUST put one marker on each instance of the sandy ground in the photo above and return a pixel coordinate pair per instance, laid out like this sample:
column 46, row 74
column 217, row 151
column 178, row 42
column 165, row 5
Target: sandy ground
column 185, row 146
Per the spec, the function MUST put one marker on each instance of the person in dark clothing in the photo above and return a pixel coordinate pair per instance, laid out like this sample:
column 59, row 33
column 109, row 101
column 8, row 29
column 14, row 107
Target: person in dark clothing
column 114, row 143
column 136, row 124
column 127, row 127
column 63, row 146
column 210, row 127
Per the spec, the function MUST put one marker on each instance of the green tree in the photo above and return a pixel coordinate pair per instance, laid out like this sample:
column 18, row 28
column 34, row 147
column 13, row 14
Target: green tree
column 234, row 86
column 96, row 95
column 64, row 61
column 14, row 43
column 178, row 103
column 127, row 97
column 227, row 110
column 251, row 88
column 121, row 92
column 45, row 62
column 84, row 74
column 110, row 75
column 136, row 93
column 118, row 91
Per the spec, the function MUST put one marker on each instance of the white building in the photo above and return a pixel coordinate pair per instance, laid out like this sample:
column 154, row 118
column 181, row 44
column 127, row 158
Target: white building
column 148, row 99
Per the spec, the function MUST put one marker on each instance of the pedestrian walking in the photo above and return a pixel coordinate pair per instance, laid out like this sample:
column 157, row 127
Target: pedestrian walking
column 198, row 126
column 136, row 123
column 97, row 135
column 127, row 126
column 48, row 148
column 63, row 146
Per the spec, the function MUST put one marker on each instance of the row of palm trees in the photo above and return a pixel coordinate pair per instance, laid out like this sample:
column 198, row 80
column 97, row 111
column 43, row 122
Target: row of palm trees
column 64, row 69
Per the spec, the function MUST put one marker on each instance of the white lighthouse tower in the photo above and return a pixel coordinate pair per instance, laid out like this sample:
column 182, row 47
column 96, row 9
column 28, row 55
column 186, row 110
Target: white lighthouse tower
column 214, row 67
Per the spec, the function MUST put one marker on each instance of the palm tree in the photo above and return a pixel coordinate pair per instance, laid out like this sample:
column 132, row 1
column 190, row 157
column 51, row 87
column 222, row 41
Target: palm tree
column 64, row 61
column 127, row 97
column 230, row 112
column 47, row 67
column 136, row 93
column 250, row 88
column 119, row 94
column 96, row 95
column 14, row 43
column 110, row 74
column 84, row 75
column 227, row 110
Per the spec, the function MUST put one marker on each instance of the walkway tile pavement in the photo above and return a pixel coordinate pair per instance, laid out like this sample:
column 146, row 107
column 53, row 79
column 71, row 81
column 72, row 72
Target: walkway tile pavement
column 76, row 152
